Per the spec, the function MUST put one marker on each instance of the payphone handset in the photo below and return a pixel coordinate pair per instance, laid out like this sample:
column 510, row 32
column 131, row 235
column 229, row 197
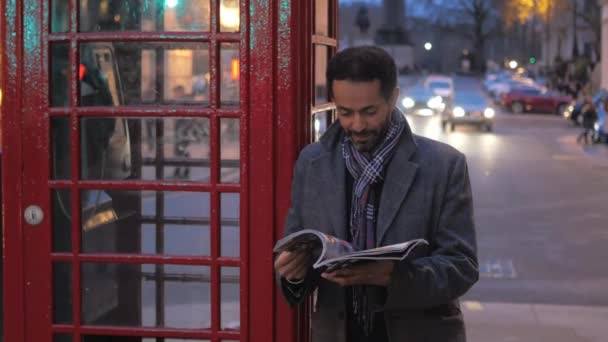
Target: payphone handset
column 105, row 142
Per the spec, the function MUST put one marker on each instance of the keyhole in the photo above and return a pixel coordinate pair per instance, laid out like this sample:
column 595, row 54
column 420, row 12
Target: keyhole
column 33, row 215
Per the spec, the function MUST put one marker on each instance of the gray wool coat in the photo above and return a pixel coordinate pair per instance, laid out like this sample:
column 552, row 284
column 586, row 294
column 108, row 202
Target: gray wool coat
column 426, row 194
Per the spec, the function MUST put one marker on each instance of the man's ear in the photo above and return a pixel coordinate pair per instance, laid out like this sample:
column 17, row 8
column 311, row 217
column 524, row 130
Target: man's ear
column 394, row 97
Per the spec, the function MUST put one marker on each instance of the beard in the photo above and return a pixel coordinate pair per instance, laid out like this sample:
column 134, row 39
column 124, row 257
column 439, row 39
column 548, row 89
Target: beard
column 367, row 140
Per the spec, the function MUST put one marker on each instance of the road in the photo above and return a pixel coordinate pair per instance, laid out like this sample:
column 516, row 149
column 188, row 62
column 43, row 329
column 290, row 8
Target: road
column 541, row 210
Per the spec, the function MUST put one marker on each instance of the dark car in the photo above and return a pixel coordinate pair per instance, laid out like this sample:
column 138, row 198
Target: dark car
column 535, row 100
column 573, row 112
column 421, row 101
column 468, row 108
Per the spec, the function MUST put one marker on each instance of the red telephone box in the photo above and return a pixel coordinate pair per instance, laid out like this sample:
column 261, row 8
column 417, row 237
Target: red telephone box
column 147, row 148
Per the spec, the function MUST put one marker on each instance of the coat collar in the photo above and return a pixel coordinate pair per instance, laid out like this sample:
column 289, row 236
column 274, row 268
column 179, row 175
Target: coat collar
column 400, row 175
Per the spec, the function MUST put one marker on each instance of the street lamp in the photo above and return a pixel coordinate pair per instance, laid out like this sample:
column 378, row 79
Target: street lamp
column 428, row 46
column 171, row 3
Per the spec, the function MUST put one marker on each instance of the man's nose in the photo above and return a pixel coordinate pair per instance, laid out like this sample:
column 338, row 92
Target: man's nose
column 358, row 123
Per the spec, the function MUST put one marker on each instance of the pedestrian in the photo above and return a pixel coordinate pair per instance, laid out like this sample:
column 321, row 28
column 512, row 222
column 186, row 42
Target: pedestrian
column 590, row 116
column 371, row 181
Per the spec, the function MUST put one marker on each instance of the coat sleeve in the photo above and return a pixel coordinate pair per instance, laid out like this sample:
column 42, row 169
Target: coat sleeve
column 451, row 267
column 292, row 292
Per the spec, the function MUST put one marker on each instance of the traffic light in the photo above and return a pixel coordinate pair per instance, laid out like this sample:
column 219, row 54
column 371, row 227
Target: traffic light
column 532, row 60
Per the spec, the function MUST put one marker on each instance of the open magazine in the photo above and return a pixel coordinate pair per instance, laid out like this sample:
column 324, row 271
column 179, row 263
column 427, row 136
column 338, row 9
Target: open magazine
column 331, row 253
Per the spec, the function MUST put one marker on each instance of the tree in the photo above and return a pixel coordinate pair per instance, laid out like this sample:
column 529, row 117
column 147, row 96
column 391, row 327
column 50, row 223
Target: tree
column 550, row 11
column 479, row 11
column 590, row 15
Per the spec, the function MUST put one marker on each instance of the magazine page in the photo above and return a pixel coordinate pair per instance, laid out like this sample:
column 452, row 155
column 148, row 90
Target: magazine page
column 334, row 248
column 302, row 240
column 321, row 246
column 396, row 252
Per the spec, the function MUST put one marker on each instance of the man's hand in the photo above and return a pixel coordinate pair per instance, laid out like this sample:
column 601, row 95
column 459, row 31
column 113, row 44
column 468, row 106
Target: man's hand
column 372, row 273
column 293, row 265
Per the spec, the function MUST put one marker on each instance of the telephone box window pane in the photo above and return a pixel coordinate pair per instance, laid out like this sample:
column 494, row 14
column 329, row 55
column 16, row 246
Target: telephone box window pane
column 160, row 296
column 60, row 16
column 145, row 222
column 62, row 338
column 61, row 148
column 176, row 239
column 230, row 151
column 320, row 123
column 145, row 148
column 230, row 298
column 230, row 224
column 321, row 55
column 62, row 293
column 230, row 16
column 322, row 17
column 59, row 87
column 146, row 73
column 145, row 15
column 62, row 221
column 230, row 69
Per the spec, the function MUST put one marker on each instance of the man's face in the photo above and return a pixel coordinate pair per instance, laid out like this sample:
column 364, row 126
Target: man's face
column 363, row 112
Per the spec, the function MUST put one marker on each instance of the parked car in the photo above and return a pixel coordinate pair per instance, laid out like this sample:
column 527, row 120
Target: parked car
column 421, row 101
column 440, row 85
column 535, row 100
column 501, row 88
column 468, row 108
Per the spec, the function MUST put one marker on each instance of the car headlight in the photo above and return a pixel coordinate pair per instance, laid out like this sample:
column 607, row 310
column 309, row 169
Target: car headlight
column 489, row 113
column 408, row 103
column 435, row 102
column 458, row 112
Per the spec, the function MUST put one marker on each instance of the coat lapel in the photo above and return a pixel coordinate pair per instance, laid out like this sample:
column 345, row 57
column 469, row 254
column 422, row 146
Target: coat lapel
column 400, row 175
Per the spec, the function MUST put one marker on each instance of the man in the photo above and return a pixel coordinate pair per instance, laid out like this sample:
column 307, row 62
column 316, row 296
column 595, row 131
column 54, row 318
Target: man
column 589, row 113
column 372, row 182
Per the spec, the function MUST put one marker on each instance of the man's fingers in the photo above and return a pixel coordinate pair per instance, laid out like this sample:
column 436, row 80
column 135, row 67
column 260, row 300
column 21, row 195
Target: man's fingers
column 300, row 272
column 345, row 280
column 284, row 258
column 297, row 264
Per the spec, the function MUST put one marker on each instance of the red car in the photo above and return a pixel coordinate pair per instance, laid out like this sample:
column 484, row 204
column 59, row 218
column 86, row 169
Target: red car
column 535, row 100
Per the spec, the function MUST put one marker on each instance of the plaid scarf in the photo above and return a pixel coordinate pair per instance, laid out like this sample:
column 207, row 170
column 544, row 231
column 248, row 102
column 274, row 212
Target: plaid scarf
column 368, row 170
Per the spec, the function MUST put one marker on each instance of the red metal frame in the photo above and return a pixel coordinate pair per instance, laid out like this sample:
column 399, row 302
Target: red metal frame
column 276, row 53
column 27, row 250
column 14, row 289
column 295, row 104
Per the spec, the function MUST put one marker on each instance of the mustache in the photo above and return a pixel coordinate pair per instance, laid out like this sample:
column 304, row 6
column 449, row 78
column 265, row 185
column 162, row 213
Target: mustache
column 359, row 134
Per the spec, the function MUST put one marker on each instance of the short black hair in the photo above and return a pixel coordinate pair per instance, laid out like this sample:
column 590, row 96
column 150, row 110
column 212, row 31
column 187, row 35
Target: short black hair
column 363, row 64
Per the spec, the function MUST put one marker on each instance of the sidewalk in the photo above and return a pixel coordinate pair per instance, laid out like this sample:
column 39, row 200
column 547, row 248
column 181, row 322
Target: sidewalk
column 508, row 322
